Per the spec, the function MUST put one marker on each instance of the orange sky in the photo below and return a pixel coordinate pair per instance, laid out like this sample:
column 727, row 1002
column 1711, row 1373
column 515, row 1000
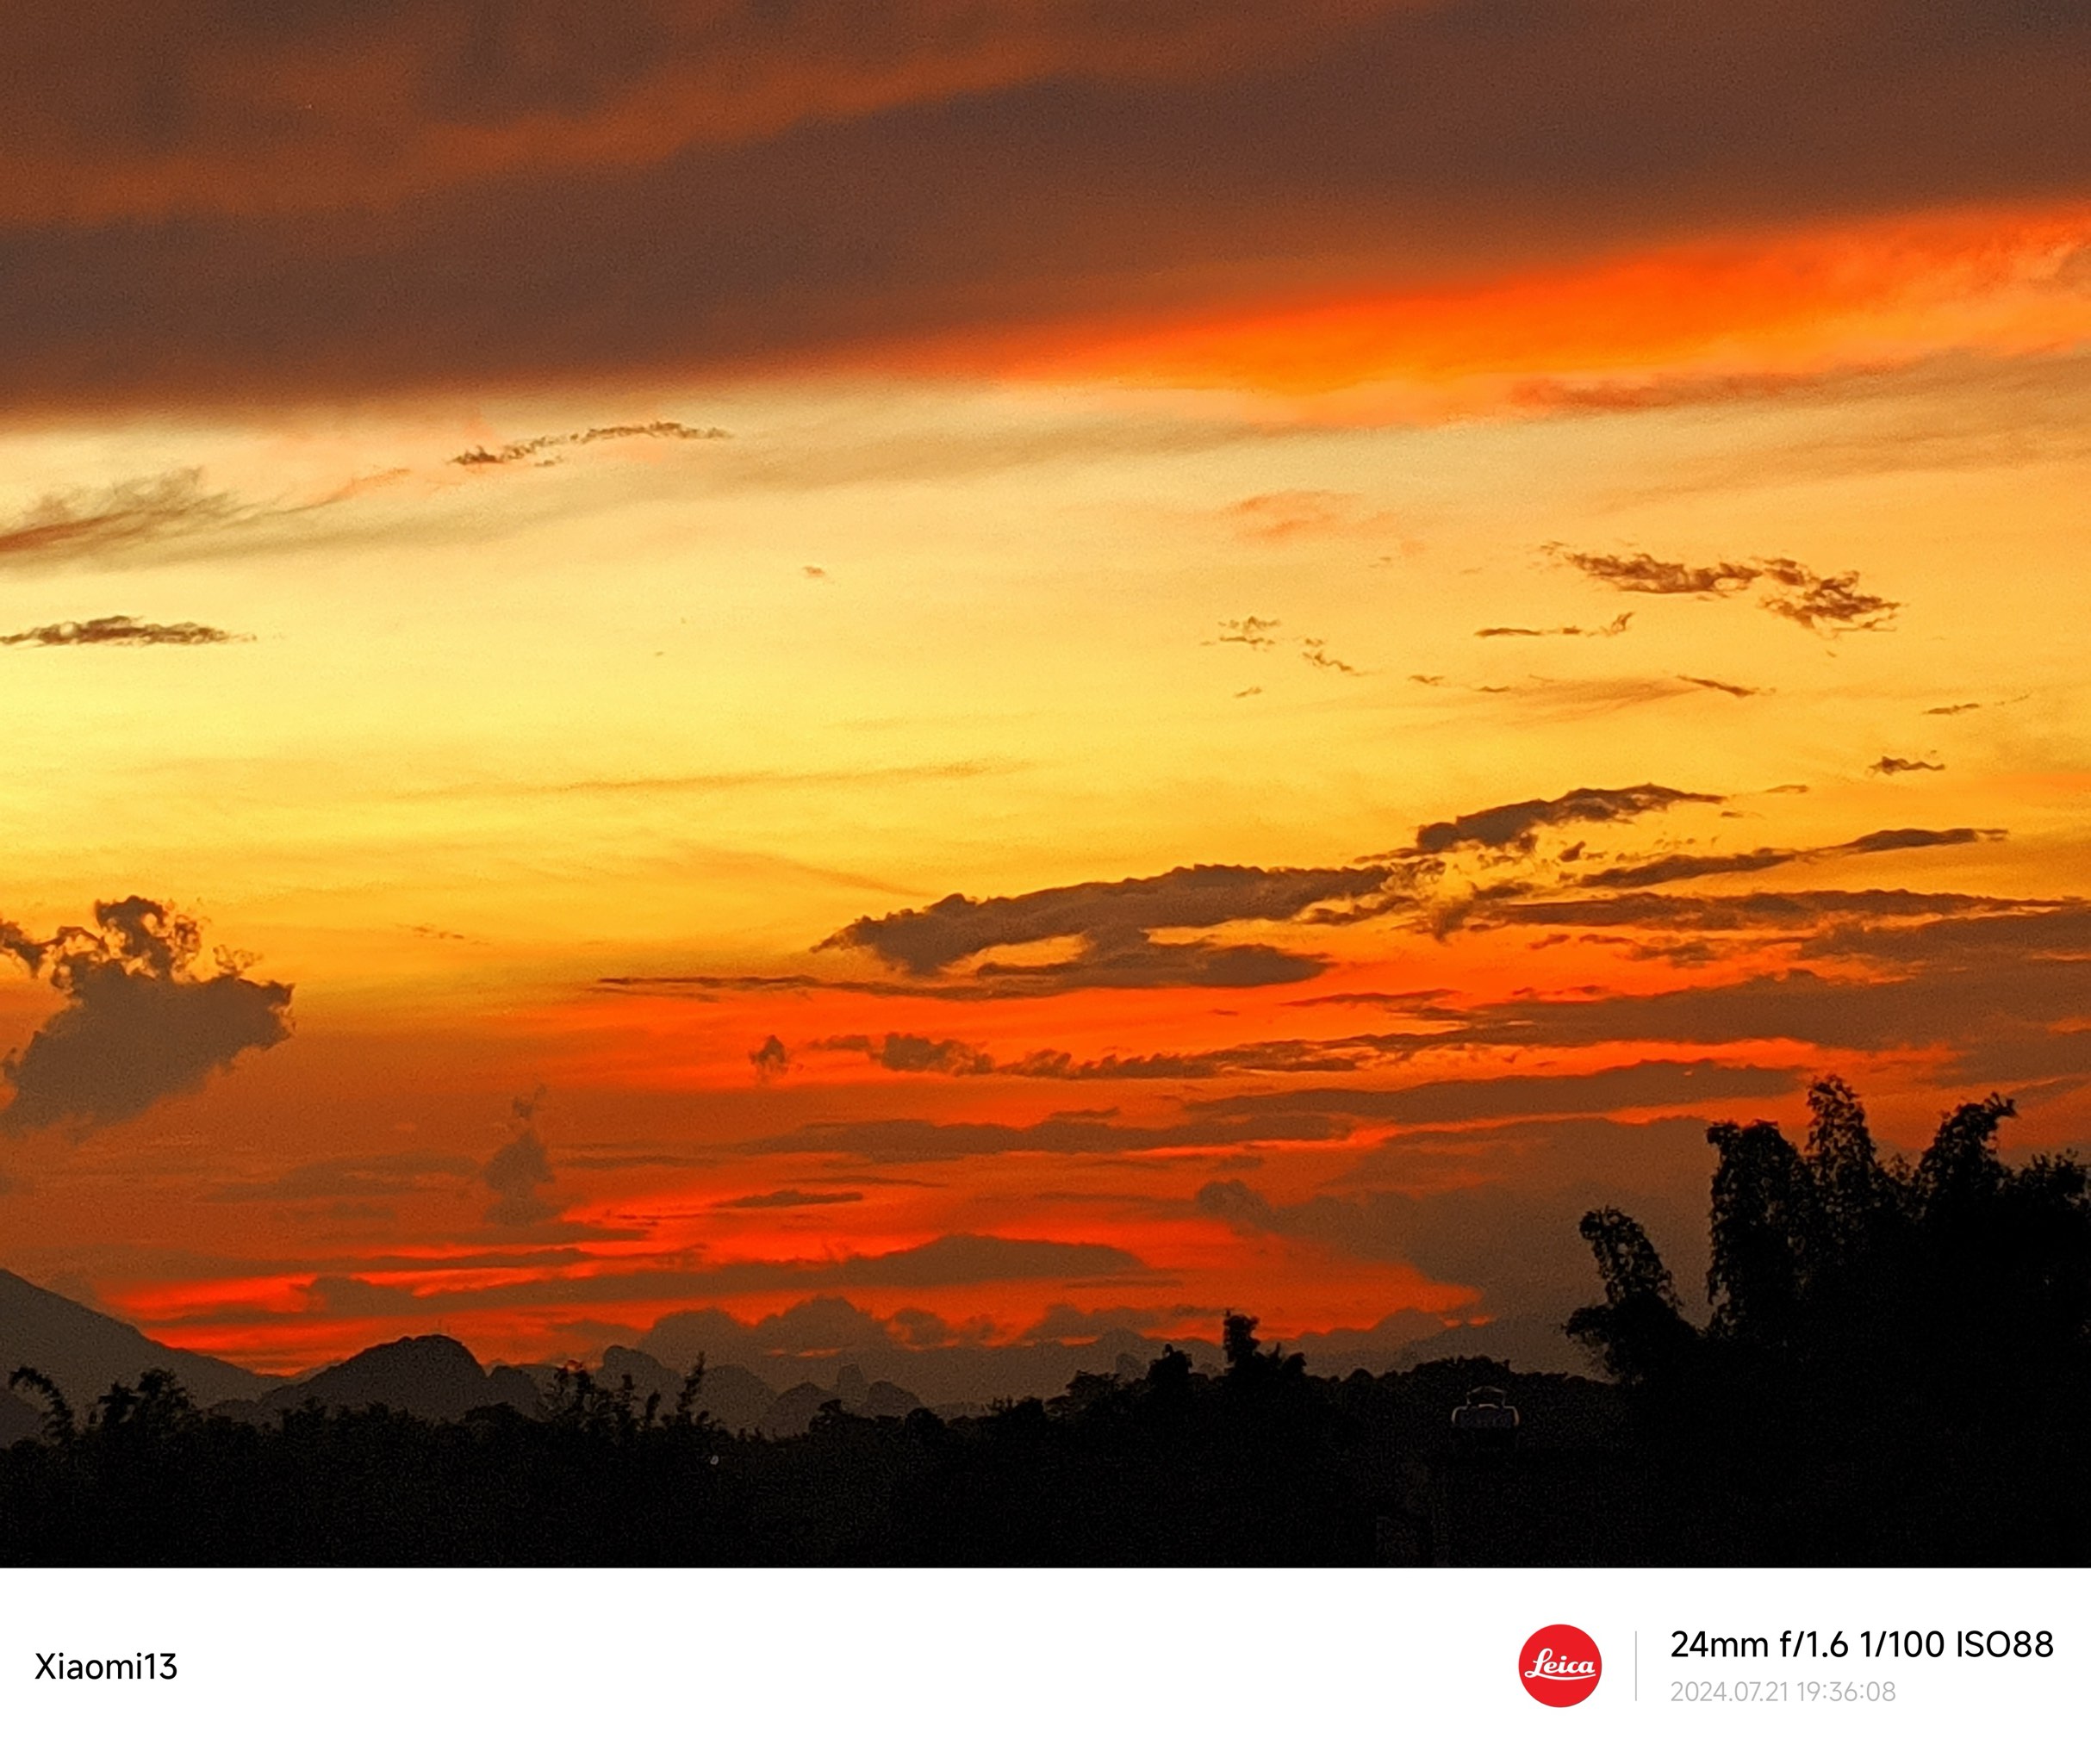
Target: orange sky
column 1026, row 665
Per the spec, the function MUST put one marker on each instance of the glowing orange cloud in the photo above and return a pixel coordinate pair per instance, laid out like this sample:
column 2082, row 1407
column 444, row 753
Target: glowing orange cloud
column 1678, row 321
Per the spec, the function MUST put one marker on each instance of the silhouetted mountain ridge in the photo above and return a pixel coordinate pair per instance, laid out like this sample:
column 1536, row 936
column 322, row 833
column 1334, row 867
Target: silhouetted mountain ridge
column 84, row 1351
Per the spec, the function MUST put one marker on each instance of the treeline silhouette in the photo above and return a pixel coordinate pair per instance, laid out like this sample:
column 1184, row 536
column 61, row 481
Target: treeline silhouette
column 1893, row 1370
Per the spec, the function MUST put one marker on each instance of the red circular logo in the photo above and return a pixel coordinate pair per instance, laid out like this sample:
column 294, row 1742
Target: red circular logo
column 1559, row 1665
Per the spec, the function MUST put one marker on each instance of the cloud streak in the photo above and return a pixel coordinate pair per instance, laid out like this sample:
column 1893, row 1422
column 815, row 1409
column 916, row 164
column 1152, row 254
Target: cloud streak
column 121, row 630
column 1682, row 866
column 1113, row 918
column 538, row 449
column 67, row 525
column 1513, row 826
column 1617, row 627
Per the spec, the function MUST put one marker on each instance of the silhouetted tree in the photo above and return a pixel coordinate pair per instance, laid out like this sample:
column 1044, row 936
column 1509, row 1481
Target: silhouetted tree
column 58, row 1422
column 1637, row 1332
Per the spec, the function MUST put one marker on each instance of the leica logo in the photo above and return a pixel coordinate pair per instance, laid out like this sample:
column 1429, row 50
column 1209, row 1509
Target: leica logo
column 1559, row 1665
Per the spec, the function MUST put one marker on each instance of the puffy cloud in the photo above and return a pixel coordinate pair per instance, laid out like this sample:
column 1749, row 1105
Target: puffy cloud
column 137, row 1025
column 519, row 1172
column 772, row 1059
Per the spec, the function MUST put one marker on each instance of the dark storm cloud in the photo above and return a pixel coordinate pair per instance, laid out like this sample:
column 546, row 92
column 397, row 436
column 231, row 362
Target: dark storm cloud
column 206, row 200
column 118, row 629
column 1514, row 824
column 137, row 1025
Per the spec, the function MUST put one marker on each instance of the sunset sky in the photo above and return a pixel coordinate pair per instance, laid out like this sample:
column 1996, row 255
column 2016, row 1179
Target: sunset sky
column 1045, row 665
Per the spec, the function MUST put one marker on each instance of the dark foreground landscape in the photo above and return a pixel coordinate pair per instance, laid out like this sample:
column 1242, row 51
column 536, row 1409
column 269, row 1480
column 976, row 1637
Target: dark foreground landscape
column 1894, row 1371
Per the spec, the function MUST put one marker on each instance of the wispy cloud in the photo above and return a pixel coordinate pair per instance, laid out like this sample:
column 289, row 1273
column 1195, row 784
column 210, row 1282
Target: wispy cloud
column 1617, row 628
column 1828, row 605
column 1251, row 631
column 1641, row 573
column 539, row 447
column 67, row 525
column 1888, row 766
column 1314, row 653
column 119, row 629
column 791, row 1198
column 1682, row 867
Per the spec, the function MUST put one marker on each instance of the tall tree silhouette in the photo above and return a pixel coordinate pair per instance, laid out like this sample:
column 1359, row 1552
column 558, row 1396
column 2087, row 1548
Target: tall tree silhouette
column 1637, row 1332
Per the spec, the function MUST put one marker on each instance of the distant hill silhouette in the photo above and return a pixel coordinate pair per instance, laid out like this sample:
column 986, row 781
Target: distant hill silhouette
column 85, row 1352
column 429, row 1376
column 733, row 1396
